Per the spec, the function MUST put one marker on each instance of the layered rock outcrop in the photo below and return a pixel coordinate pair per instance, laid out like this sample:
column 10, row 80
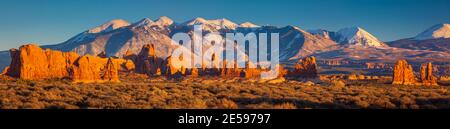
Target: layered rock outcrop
column 403, row 73
column 306, row 68
column 30, row 62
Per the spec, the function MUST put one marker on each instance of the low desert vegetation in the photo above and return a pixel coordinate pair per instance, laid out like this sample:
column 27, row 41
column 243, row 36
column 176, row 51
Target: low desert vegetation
column 138, row 91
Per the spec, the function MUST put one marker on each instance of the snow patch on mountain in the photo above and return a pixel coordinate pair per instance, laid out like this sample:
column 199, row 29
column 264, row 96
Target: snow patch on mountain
column 109, row 26
column 435, row 32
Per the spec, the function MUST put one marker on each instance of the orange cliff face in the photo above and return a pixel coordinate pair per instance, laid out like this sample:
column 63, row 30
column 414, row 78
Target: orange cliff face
column 31, row 62
column 403, row 73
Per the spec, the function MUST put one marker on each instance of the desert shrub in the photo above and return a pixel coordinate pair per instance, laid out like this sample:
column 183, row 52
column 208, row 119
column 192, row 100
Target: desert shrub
column 197, row 104
column 25, row 82
column 337, row 84
column 362, row 104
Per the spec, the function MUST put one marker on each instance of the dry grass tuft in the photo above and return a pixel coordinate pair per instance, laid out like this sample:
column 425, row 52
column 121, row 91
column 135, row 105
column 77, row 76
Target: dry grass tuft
column 142, row 92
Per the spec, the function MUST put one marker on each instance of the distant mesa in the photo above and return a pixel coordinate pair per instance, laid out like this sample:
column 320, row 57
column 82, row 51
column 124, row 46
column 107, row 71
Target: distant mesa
column 31, row 62
column 358, row 36
column 306, row 68
column 426, row 74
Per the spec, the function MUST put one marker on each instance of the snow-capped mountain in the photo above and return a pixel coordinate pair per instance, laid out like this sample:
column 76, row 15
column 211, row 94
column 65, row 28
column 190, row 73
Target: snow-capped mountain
column 116, row 37
column 104, row 28
column 436, row 38
column 435, row 32
column 212, row 25
column 356, row 36
column 296, row 43
column 164, row 21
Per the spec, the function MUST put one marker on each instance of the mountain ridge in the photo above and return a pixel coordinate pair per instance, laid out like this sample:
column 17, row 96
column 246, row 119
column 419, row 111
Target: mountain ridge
column 435, row 38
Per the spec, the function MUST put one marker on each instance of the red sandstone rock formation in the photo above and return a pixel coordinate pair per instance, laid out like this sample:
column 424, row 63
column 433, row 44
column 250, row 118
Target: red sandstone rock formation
column 403, row 73
column 30, row 62
column 251, row 71
column 194, row 72
column 33, row 63
column 146, row 61
column 88, row 69
column 305, row 68
column 426, row 74
column 111, row 72
column 332, row 62
column 175, row 67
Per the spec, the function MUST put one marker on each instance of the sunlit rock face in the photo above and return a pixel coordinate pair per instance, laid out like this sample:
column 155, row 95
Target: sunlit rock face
column 31, row 62
column 306, row 67
column 403, row 73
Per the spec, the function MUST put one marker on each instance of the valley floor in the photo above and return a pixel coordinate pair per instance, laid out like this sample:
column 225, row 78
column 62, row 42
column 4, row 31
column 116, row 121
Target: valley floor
column 139, row 92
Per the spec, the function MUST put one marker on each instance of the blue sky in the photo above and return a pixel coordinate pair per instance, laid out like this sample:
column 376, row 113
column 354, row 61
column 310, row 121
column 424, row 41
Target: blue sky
column 54, row 21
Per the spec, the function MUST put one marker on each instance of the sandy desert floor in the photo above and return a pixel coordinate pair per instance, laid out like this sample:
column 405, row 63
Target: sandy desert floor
column 141, row 92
